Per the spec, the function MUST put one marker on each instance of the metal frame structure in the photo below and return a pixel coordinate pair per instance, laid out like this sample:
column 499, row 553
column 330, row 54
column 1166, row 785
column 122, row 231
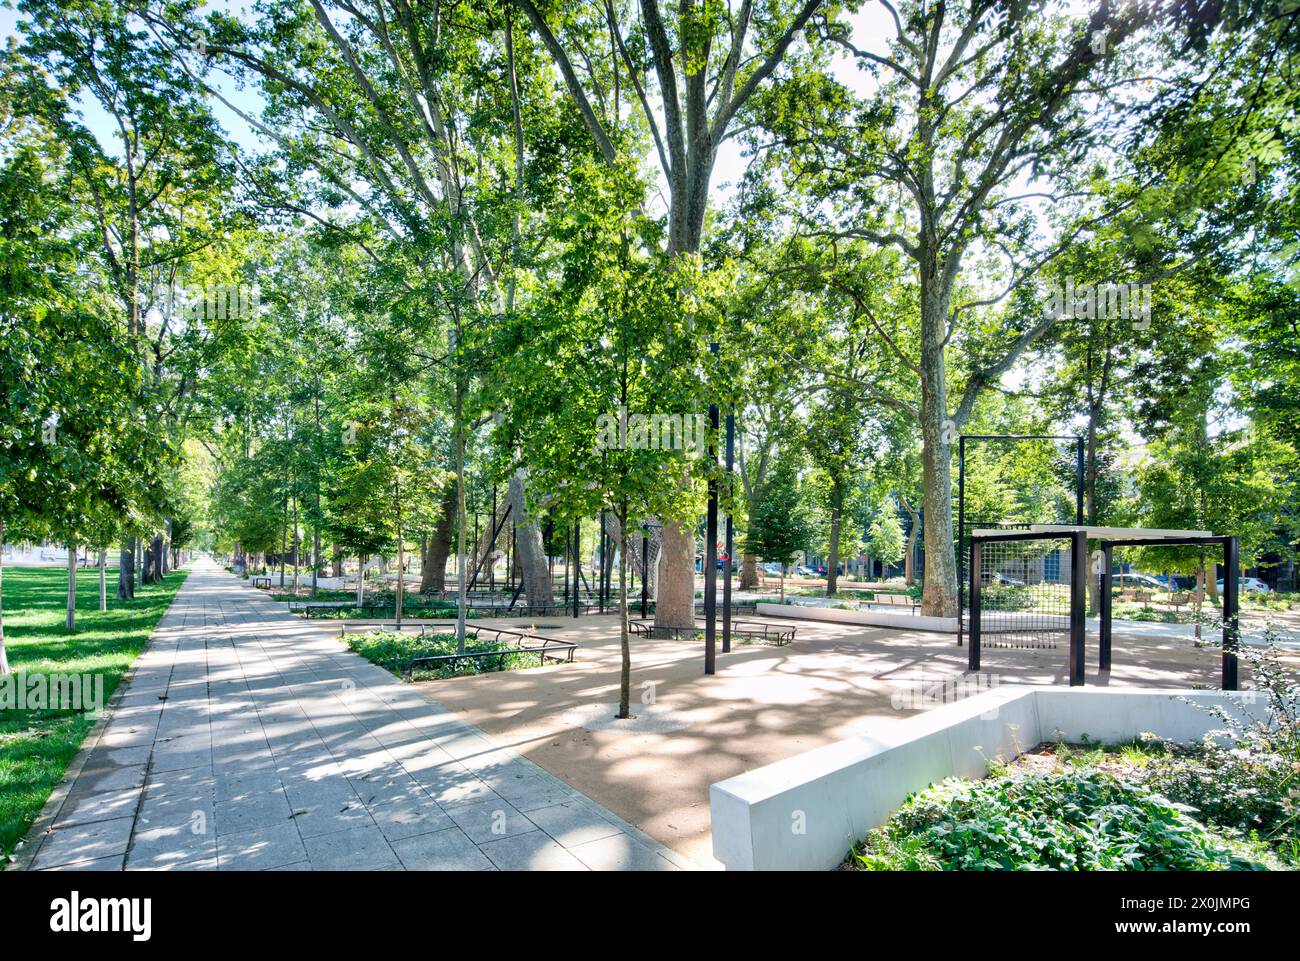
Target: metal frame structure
column 1078, row 592
column 961, row 500
column 1109, row 539
column 1231, row 546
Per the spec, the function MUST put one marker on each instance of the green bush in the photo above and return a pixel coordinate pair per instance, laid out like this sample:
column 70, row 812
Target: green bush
column 1006, row 597
column 1251, row 784
column 1250, row 791
column 1073, row 821
column 397, row 652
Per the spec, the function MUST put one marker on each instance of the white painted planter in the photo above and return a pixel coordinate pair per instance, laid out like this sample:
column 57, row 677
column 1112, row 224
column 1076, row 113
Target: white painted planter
column 804, row 813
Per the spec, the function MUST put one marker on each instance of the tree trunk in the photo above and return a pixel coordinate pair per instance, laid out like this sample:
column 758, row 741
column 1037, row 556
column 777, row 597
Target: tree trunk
column 401, row 576
column 315, row 558
column 70, row 623
column 530, row 550
column 909, row 562
column 748, row 571
column 783, row 583
column 433, row 563
column 337, row 570
column 361, row 579
column 675, row 606
column 939, row 597
column 103, row 579
column 4, row 657
column 159, row 552
column 462, row 520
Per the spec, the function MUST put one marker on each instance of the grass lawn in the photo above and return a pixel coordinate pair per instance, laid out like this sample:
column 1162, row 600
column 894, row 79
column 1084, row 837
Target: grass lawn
column 37, row 746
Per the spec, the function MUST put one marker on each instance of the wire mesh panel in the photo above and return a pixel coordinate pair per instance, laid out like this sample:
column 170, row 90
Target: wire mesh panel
column 1024, row 593
column 1027, row 590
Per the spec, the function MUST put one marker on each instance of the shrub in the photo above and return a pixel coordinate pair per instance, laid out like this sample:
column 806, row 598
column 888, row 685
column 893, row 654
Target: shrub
column 1253, row 783
column 1078, row 820
column 397, row 652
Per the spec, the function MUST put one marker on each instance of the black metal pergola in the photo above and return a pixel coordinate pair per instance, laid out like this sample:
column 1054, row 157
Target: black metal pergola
column 1231, row 628
column 1078, row 535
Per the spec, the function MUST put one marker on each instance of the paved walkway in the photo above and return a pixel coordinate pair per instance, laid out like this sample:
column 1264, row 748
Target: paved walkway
column 248, row 739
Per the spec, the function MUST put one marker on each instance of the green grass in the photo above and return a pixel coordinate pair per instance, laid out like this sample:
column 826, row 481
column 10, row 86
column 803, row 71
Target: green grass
column 37, row 746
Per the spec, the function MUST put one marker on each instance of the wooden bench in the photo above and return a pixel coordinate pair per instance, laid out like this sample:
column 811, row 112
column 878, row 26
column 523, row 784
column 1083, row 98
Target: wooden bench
column 894, row 600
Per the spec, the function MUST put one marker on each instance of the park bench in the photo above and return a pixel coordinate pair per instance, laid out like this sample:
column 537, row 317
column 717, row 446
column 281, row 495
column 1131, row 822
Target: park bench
column 894, row 600
column 519, row 642
column 776, row 635
column 1179, row 600
column 261, row 580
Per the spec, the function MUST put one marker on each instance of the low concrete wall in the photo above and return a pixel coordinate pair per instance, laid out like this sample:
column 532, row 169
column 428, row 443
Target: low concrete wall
column 805, row 812
column 876, row 618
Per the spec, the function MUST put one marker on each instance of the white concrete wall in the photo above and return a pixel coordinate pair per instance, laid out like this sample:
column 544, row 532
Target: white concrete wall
column 804, row 813
column 873, row 618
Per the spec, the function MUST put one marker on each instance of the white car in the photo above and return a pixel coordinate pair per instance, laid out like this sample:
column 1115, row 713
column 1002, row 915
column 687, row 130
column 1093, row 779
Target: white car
column 1252, row 585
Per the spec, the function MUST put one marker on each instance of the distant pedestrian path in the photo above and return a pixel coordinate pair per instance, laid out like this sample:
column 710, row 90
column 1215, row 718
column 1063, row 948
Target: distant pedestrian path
column 248, row 739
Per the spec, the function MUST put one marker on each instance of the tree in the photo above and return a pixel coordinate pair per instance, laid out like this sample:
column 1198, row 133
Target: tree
column 392, row 468
column 968, row 100
column 886, row 534
column 594, row 369
column 152, row 199
column 781, row 526
column 694, row 60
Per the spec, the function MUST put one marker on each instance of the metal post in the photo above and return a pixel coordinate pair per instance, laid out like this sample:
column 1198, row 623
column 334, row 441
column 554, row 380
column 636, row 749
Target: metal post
column 604, row 562
column 976, row 563
column 730, row 535
column 1231, row 633
column 645, row 571
column 961, row 531
column 1078, row 605
column 1078, row 480
column 577, row 554
column 711, row 551
column 1108, row 561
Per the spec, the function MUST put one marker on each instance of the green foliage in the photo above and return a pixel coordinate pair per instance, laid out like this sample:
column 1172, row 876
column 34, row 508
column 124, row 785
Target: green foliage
column 779, row 527
column 1075, row 821
column 885, row 536
column 395, row 652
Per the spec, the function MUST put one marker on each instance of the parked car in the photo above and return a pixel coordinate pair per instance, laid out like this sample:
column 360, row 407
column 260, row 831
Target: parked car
column 999, row 578
column 772, row 568
column 803, row 570
column 1251, row 585
column 1134, row 579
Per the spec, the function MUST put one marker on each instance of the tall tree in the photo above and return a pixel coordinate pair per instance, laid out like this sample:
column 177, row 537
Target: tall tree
column 689, row 70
